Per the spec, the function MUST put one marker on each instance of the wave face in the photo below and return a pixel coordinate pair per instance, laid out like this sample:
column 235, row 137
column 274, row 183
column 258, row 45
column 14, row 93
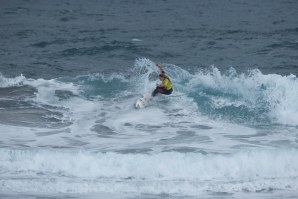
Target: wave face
column 250, row 98
column 217, row 134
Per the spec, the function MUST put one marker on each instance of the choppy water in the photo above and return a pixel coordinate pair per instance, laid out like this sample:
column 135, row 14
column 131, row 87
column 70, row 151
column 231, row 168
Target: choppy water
column 71, row 71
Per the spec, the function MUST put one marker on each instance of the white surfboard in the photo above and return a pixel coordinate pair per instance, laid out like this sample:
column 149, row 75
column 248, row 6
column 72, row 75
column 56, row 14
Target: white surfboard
column 143, row 101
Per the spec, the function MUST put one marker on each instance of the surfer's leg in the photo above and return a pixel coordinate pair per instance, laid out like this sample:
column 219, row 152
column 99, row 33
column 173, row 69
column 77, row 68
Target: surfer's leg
column 158, row 90
column 154, row 93
column 168, row 92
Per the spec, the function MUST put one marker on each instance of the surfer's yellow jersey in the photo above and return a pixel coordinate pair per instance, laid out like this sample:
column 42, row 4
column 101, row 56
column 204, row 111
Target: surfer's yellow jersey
column 167, row 83
column 166, row 88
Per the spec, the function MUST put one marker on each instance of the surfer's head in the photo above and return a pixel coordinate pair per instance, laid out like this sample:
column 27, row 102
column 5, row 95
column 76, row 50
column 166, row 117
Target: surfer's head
column 162, row 76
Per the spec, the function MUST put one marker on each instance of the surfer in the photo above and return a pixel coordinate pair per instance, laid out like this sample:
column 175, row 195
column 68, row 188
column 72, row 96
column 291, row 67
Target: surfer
column 166, row 87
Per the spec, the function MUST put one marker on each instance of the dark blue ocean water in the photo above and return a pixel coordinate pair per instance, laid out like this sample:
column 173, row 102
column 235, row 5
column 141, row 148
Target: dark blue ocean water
column 71, row 71
column 50, row 39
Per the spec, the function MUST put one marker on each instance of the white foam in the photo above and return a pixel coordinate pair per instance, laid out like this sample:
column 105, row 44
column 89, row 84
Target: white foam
column 132, row 129
column 9, row 82
column 136, row 40
column 172, row 173
column 46, row 90
column 282, row 94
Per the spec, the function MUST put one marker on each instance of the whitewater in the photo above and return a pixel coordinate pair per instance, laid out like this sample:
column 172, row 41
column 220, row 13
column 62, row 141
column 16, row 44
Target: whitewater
column 219, row 135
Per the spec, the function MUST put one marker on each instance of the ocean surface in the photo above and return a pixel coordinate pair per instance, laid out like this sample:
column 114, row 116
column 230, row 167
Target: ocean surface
column 71, row 71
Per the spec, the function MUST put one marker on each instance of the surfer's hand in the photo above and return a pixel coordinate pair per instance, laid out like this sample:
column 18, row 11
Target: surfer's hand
column 158, row 65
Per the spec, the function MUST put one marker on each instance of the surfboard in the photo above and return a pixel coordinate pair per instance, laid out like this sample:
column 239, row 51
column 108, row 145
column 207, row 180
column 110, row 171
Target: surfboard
column 143, row 101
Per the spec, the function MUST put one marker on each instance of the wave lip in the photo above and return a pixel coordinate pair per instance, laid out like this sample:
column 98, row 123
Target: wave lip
column 171, row 172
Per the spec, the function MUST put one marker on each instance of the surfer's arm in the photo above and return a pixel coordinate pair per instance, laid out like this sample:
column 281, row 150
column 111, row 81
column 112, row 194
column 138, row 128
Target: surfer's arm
column 160, row 85
column 160, row 68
